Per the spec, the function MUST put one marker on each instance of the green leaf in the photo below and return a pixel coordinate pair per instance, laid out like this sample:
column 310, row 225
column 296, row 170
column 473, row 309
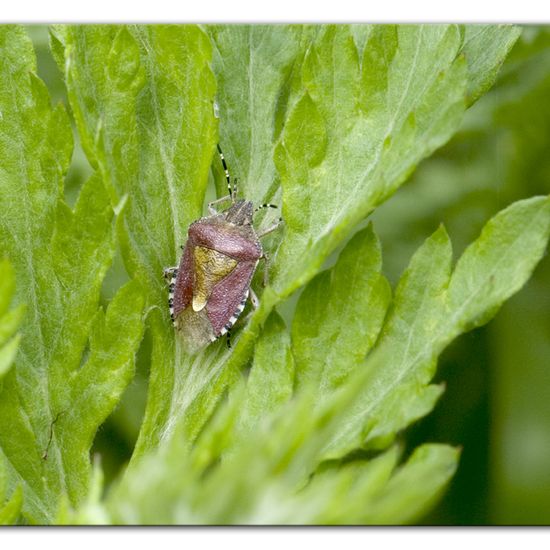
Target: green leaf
column 101, row 380
column 143, row 101
column 10, row 510
column 485, row 48
column 375, row 492
column 91, row 511
column 256, row 68
column 396, row 104
column 276, row 489
column 341, row 492
column 336, row 117
column 9, row 343
column 357, row 155
column 271, row 378
column 414, row 487
column 499, row 263
column 431, row 308
column 275, row 460
column 60, row 257
column 9, row 320
column 339, row 315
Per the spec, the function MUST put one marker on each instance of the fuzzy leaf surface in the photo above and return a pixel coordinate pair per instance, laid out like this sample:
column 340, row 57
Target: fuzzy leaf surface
column 10, row 319
column 340, row 314
column 60, row 256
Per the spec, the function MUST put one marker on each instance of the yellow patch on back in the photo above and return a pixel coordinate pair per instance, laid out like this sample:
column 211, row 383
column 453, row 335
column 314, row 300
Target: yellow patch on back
column 210, row 268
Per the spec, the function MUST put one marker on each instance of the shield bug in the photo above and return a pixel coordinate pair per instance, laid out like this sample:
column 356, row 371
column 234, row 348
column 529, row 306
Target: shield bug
column 209, row 288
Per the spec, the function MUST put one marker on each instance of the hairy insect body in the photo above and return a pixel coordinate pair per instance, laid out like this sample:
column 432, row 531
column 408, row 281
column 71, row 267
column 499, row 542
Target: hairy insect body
column 213, row 278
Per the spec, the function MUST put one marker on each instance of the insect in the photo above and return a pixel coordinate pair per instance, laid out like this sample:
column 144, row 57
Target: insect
column 209, row 289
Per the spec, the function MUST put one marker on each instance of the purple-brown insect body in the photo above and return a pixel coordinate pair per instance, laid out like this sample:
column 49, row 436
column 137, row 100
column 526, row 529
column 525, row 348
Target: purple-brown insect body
column 214, row 274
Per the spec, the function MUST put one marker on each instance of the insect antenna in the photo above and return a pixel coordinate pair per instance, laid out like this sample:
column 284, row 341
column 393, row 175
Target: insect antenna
column 231, row 189
column 266, row 205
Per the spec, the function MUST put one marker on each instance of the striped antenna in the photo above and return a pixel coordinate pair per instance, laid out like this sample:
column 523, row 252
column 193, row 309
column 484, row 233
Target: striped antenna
column 230, row 189
column 266, row 205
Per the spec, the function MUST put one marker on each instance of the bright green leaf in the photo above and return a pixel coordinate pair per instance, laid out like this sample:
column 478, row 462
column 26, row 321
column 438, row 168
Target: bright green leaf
column 431, row 308
column 358, row 154
column 9, row 320
column 255, row 68
column 340, row 314
column 11, row 509
column 60, row 257
column 485, row 48
column 271, row 379
column 499, row 263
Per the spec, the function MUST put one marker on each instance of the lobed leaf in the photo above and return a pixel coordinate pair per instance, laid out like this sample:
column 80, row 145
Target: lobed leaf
column 350, row 159
column 277, row 488
column 414, row 486
column 270, row 382
column 143, row 101
column 431, row 308
column 255, row 68
column 339, row 315
column 60, row 257
column 338, row 117
column 485, row 48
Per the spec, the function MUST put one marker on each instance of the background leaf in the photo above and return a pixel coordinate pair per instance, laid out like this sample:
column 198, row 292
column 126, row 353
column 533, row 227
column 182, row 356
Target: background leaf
column 60, row 257
column 496, row 376
column 485, row 48
column 431, row 308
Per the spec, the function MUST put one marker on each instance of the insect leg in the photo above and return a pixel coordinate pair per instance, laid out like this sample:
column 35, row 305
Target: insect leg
column 266, row 205
column 211, row 208
column 228, row 341
column 170, row 272
column 270, row 228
